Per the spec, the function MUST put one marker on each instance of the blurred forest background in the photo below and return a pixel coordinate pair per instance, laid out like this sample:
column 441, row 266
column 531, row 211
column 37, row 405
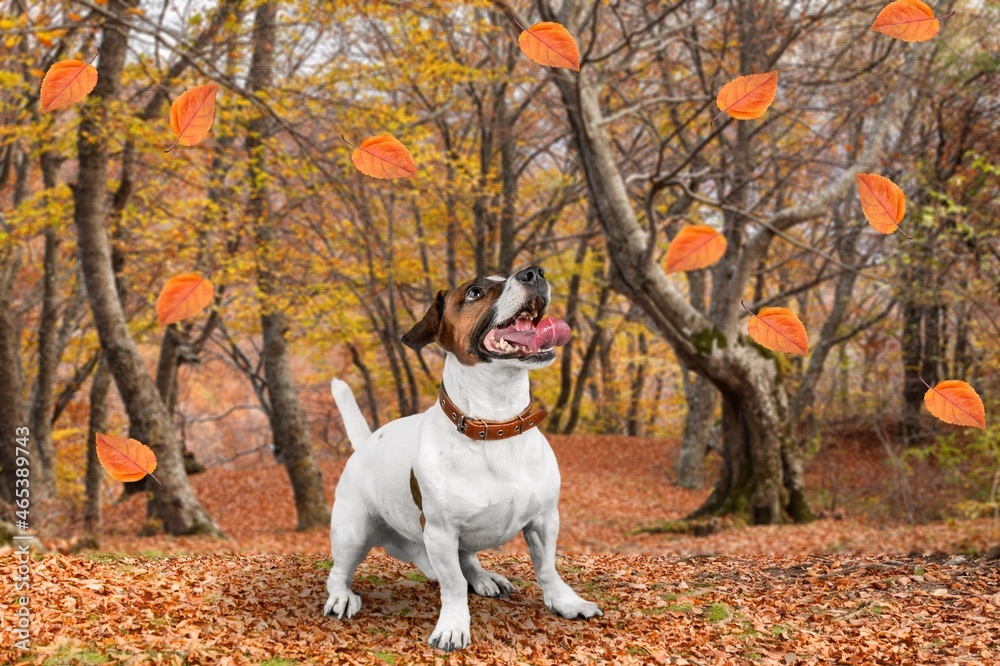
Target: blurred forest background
column 320, row 270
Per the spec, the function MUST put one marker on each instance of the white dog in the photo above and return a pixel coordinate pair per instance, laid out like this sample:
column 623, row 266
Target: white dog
column 470, row 472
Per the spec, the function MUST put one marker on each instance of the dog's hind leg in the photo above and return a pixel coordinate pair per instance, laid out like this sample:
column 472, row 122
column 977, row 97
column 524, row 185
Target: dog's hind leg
column 484, row 583
column 408, row 551
column 352, row 535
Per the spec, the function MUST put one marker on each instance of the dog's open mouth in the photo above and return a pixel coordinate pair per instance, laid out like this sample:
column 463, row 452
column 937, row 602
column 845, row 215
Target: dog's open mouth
column 528, row 334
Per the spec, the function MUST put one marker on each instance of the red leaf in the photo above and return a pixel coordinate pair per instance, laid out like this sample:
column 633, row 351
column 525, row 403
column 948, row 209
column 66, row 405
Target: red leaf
column 183, row 296
column 908, row 20
column 383, row 156
column 550, row 44
column 748, row 97
column 954, row 401
column 778, row 329
column 66, row 83
column 695, row 247
column 125, row 459
column 192, row 114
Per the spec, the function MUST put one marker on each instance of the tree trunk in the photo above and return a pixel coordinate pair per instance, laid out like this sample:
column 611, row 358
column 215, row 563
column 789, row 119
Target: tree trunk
column 701, row 399
column 910, row 428
column 11, row 404
column 92, row 525
column 11, row 376
column 40, row 411
column 633, row 422
column 174, row 504
column 288, row 422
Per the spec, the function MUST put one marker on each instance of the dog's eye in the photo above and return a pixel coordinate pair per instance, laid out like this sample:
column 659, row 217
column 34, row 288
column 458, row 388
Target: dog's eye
column 474, row 294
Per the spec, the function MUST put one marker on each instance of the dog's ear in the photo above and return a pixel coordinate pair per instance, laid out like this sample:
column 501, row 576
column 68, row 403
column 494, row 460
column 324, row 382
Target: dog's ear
column 425, row 331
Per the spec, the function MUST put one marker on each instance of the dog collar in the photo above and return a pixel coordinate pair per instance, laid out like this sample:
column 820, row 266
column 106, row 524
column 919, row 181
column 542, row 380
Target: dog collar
column 481, row 430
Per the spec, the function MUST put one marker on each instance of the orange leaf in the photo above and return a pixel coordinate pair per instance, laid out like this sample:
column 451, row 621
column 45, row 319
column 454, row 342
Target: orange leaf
column 779, row 329
column 550, row 44
column 66, row 83
column 882, row 201
column 183, row 296
column 125, row 459
column 695, row 247
column 908, row 20
column 383, row 156
column 192, row 113
column 954, row 401
column 747, row 97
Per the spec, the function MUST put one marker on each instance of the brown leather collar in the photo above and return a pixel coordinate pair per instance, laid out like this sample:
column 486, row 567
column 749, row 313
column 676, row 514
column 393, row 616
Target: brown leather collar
column 487, row 430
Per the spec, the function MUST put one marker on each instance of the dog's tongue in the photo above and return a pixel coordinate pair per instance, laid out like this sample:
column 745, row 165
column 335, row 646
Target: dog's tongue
column 550, row 332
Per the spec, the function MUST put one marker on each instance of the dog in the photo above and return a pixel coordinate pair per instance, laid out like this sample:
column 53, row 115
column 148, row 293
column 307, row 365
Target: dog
column 470, row 472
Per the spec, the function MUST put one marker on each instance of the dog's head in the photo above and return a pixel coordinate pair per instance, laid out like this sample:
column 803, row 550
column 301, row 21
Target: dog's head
column 494, row 319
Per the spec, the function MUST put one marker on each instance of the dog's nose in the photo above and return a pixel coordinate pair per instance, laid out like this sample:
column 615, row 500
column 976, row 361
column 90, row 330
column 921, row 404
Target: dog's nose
column 531, row 275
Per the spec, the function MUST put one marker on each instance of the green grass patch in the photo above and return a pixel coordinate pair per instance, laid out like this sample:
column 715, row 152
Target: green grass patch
column 685, row 608
column 373, row 580
column 67, row 656
column 279, row 661
column 387, row 657
column 718, row 613
column 416, row 576
column 325, row 563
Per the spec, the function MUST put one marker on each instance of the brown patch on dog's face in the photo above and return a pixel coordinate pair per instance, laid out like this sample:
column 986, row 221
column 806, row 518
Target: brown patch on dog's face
column 458, row 319
column 467, row 312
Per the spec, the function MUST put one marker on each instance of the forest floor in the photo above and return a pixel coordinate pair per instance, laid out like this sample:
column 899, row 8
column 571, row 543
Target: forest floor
column 853, row 587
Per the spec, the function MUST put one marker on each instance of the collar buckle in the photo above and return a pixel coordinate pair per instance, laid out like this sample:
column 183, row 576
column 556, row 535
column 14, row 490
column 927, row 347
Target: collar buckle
column 461, row 424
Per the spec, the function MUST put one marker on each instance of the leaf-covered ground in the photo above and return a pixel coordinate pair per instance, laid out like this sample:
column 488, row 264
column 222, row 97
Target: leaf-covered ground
column 834, row 591
column 249, row 609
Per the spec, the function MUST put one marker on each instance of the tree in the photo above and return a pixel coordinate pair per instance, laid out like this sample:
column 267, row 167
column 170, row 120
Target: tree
column 762, row 472
column 288, row 424
column 174, row 504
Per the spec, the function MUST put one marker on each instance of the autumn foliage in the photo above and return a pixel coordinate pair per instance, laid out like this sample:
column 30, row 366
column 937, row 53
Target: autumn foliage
column 66, row 83
column 183, row 296
column 498, row 177
column 695, row 247
column 192, row 114
column 882, row 202
column 550, row 44
column 383, row 156
column 908, row 20
column 748, row 97
column 779, row 329
column 125, row 459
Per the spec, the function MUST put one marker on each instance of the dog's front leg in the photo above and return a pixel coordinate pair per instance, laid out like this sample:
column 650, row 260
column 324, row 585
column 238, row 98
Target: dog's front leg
column 452, row 631
column 540, row 535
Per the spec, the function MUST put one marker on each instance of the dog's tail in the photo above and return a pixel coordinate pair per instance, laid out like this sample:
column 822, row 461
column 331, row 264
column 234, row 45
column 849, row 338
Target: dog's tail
column 354, row 421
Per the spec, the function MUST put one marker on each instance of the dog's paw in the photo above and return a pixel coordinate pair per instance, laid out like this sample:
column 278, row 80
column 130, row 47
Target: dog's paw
column 343, row 604
column 450, row 637
column 574, row 608
column 492, row 585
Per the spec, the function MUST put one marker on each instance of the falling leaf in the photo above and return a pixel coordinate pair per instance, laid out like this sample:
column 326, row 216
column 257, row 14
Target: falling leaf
column 778, row 329
column 66, row 83
column 954, row 401
column 125, row 459
column 383, row 156
column 882, row 201
column 550, row 44
column 747, row 97
column 695, row 247
column 192, row 113
column 908, row 20
column 183, row 296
